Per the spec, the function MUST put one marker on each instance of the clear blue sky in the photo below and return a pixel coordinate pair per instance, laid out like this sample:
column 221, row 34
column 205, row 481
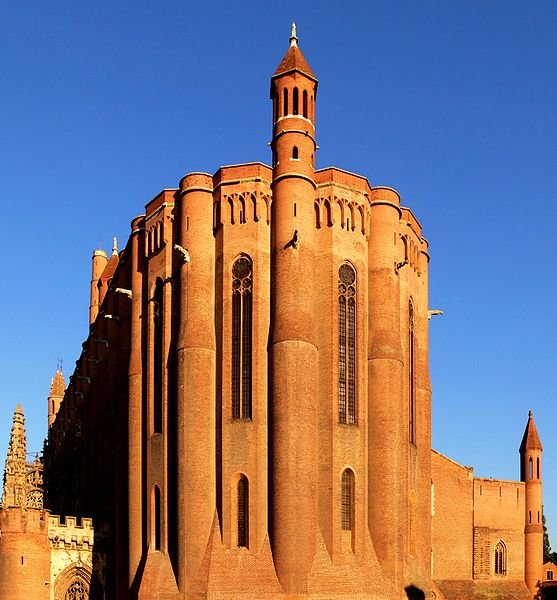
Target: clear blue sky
column 453, row 103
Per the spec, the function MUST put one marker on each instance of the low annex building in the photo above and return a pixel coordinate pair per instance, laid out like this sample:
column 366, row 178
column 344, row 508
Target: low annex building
column 254, row 395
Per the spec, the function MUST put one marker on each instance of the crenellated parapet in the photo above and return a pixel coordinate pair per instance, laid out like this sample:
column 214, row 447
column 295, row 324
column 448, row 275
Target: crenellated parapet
column 71, row 555
column 72, row 534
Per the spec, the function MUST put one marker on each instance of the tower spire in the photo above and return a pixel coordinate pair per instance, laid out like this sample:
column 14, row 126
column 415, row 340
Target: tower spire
column 15, row 472
column 531, row 473
column 293, row 37
column 56, row 393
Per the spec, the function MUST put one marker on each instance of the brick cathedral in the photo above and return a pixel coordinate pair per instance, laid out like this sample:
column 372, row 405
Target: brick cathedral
column 250, row 416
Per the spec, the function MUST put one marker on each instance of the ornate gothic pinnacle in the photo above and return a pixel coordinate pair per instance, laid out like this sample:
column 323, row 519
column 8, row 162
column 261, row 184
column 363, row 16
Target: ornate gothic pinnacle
column 15, row 472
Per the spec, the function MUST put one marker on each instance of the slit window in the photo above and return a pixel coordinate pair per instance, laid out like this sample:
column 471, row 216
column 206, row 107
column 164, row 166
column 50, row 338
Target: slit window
column 295, row 101
column 285, row 102
column 295, row 152
column 243, row 512
column 347, row 500
column 305, row 104
column 157, row 518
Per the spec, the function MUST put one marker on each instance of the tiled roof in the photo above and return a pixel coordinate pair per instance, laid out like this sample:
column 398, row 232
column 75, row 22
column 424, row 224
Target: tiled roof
column 294, row 60
column 531, row 439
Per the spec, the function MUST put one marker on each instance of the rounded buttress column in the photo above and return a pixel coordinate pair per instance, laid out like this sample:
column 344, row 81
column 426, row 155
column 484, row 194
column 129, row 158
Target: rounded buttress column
column 533, row 530
column 385, row 383
column 135, row 402
column 196, row 355
column 100, row 260
column 294, row 356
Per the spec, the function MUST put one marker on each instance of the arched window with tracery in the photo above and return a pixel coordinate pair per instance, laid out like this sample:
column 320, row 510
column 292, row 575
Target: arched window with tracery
column 346, row 344
column 500, row 559
column 242, row 285
column 77, row 590
column 347, row 500
column 411, row 376
column 243, row 512
column 157, row 356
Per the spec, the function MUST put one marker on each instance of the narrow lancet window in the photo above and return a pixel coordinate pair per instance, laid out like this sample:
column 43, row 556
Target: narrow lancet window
column 157, row 518
column 411, row 376
column 295, row 101
column 241, row 338
column 347, row 344
column 500, row 559
column 305, row 104
column 347, row 500
column 157, row 357
column 530, row 468
column 285, row 102
column 243, row 512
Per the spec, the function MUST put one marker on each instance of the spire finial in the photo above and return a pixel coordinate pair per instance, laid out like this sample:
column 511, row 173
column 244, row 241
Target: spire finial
column 115, row 246
column 530, row 414
column 293, row 38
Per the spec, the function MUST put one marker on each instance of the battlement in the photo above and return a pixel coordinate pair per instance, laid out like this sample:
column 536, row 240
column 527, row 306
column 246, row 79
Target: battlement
column 73, row 533
column 19, row 519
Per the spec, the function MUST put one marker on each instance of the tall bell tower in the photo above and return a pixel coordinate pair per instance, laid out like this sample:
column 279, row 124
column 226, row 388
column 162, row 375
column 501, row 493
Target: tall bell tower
column 294, row 354
column 531, row 473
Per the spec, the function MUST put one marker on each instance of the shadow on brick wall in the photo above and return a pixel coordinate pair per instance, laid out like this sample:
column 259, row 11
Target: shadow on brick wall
column 414, row 593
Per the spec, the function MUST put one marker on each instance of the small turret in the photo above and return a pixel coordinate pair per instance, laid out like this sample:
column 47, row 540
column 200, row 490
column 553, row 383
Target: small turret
column 531, row 473
column 100, row 259
column 56, row 395
column 293, row 337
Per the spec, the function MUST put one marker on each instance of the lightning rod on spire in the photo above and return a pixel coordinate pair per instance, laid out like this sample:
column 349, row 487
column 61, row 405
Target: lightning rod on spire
column 293, row 38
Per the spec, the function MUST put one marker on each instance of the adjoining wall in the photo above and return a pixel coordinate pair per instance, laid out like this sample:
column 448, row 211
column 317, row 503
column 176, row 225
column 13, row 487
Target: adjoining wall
column 452, row 519
column 498, row 518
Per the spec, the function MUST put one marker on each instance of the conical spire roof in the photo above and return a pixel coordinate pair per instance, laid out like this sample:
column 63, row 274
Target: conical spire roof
column 530, row 439
column 294, row 59
column 57, row 385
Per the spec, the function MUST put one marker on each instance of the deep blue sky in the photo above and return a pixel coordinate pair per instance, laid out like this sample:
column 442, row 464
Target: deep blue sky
column 452, row 103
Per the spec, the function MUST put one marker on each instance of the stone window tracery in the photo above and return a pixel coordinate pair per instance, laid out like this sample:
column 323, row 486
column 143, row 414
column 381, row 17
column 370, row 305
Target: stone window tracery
column 34, row 499
column 77, row 590
column 241, row 338
column 500, row 559
column 347, row 344
column 157, row 356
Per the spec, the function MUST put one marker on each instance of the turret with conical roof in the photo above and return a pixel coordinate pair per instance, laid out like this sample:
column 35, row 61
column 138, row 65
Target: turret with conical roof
column 293, row 341
column 531, row 473
column 56, row 395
